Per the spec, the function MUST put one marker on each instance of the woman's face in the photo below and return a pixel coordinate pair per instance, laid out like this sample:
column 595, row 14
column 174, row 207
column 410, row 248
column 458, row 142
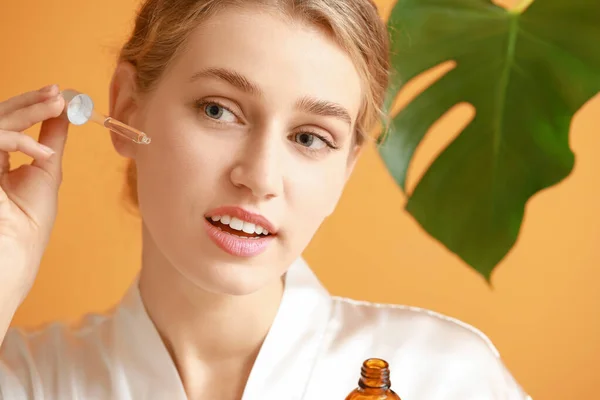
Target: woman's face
column 252, row 129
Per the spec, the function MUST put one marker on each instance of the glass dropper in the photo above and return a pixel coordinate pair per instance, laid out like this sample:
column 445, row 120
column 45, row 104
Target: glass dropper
column 79, row 109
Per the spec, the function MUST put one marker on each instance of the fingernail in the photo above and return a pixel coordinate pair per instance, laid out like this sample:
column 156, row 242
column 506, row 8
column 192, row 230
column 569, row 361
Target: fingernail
column 46, row 149
column 53, row 99
column 47, row 89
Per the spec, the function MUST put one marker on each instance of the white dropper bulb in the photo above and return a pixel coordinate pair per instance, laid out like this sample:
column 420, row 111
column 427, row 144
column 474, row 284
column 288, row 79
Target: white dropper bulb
column 79, row 107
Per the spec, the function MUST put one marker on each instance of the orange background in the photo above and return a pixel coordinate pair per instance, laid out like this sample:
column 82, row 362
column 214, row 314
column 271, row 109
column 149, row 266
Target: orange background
column 543, row 313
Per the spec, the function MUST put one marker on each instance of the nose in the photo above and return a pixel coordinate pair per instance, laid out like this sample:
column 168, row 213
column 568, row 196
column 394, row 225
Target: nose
column 258, row 167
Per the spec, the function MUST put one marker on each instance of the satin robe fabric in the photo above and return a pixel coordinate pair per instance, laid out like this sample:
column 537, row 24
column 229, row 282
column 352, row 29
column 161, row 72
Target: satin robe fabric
column 313, row 351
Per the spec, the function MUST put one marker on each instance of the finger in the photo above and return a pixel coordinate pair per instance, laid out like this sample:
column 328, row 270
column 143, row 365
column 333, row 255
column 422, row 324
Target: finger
column 3, row 198
column 16, row 141
column 53, row 135
column 25, row 118
column 4, row 162
column 27, row 99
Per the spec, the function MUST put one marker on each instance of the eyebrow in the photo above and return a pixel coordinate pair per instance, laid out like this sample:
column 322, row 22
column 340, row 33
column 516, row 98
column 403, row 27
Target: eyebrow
column 232, row 77
column 307, row 104
column 324, row 108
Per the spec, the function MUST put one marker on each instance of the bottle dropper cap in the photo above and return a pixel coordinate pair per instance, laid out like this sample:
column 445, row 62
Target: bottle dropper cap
column 79, row 109
column 78, row 106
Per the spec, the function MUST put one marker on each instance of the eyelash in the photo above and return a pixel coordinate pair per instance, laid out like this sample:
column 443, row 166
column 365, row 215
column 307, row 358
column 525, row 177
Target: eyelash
column 200, row 104
column 327, row 142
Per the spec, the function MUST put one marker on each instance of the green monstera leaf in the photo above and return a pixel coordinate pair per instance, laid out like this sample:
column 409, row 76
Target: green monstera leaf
column 526, row 72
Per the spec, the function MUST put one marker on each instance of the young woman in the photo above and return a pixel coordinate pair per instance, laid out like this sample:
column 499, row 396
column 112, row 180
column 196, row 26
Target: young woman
column 257, row 112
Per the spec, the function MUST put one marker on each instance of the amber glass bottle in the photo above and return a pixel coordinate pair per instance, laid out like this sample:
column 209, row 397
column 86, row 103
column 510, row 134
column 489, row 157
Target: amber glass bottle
column 374, row 382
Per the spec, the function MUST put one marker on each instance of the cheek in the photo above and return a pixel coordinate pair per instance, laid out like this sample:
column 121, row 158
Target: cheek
column 180, row 168
column 315, row 192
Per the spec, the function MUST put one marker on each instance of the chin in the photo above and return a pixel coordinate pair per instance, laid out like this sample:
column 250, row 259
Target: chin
column 232, row 279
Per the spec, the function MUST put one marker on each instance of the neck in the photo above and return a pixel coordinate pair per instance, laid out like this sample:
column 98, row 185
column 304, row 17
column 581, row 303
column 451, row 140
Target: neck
column 205, row 332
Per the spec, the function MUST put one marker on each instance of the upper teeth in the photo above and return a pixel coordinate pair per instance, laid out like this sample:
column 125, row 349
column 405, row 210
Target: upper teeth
column 240, row 225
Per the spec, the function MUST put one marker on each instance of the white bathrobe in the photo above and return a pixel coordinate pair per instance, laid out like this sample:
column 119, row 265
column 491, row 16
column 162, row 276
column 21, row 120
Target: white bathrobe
column 314, row 351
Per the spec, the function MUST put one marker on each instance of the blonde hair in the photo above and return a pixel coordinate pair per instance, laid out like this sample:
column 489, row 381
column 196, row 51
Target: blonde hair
column 162, row 27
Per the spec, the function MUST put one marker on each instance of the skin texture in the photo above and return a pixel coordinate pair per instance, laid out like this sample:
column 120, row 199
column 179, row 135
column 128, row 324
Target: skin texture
column 214, row 144
column 256, row 150
column 28, row 194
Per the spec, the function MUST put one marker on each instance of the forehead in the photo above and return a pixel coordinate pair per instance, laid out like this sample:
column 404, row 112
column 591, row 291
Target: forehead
column 286, row 58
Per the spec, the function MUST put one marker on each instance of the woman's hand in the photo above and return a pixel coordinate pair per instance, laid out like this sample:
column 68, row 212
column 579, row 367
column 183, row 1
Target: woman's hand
column 29, row 193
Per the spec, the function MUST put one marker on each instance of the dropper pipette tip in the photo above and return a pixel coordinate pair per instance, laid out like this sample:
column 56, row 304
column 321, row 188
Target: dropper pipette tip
column 120, row 128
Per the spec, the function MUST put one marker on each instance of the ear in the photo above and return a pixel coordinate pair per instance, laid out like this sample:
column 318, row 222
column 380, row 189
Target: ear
column 122, row 105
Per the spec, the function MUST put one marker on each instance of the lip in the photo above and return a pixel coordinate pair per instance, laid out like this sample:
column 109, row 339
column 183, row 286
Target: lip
column 234, row 245
column 244, row 215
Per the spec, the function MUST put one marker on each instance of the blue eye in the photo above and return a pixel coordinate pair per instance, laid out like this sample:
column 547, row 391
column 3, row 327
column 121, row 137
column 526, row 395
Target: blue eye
column 311, row 141
column 214, row 110
column 218, row 112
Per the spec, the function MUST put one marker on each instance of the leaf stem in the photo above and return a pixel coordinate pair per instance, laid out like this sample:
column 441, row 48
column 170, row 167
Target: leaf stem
column 521, row 6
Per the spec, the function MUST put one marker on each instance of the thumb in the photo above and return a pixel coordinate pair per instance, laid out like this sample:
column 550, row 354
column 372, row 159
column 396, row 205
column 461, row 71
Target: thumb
column 53, row 134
